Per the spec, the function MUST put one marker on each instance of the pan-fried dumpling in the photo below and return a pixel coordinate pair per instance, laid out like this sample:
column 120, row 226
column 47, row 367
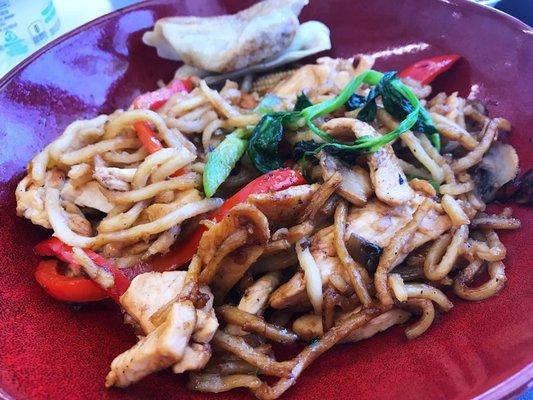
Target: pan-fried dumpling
column 311, row 37
column 228, row 42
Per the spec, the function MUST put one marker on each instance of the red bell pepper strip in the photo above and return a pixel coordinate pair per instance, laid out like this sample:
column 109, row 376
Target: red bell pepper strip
column 272, row 181
column 66, row 288
column 147, row 136
column 425, row 71
column 154, row 100
column 54, row 247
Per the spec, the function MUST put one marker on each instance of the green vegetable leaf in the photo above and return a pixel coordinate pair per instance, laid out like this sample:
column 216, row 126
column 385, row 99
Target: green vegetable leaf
column 223, row 159
column 366, row 104
column 263, row 145
column 302, row 102
column 397, row 104
column 306, row 149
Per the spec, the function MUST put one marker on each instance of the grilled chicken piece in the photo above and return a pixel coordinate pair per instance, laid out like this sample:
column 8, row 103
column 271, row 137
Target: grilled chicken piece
column 149, row 292
column 114, row 178
column 89, row 195
column 355, row 186
column 388, row 178
column 194, row 358
column 377, row 223
column 182, row 339
column 162, row 347
column 291, row 294
column 244, row 221
column 283, row 208
column 246, row 38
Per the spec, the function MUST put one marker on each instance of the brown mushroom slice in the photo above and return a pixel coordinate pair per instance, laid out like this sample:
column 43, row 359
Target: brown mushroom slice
column 498, row 166
column 355, row 187
column 364, row 252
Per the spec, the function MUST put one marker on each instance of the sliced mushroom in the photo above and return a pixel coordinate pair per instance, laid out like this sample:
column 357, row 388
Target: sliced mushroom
column 498, row 166
column 355, row 187
column 364, row 252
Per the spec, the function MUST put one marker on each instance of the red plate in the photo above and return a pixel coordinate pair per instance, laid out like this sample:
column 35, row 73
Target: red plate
column 52, row 350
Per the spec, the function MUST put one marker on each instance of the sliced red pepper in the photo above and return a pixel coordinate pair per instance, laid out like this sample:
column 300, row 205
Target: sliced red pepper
column 154, row 100
column 75, row 289
column 272, row 181
column 54, row 247
column 425, row 71
column 147, row 136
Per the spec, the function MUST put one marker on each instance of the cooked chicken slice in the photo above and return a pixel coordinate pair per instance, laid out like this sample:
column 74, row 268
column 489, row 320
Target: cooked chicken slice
column 149, row 292
column 292, row 294
column 76, row 220
column 162, row 347
column 182, row 338
column 195, row 357
column 89, row 195
column 114, row 178
column 283, row 208
column 230, row 246
column 388, row 178
column 242, row 39
column 376, row 223
column 355, row 186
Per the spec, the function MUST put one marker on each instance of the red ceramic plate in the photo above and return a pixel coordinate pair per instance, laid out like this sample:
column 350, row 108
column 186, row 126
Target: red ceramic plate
column 53, row 350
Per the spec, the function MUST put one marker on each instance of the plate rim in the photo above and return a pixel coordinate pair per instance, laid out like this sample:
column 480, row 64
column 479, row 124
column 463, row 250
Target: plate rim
column 518, row 380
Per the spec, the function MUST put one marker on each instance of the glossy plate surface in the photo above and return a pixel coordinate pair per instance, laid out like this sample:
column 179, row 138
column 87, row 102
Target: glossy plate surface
column 53, row 350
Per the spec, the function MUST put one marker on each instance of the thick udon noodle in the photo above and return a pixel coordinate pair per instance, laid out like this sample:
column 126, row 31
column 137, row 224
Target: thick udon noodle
column 145, row 202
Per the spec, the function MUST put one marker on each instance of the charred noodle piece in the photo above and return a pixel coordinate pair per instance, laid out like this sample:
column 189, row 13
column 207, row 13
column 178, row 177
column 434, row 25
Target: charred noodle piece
column 358, row 274
column 413, row 143
column 392, row 251
column 228, row 364
column 495, row 222
column 447, row 248
column 240, row 348
column 354, row 321
column 252, row 323
column 379, row 324
column 308, row 326
column 427, row 316
column 320, row 197
column 488, row 289
column 312, row 278
column 215, row 383
column 490, row 130
column 423, row 291
column 452, row 131
column 187, row 181
column 159, row 225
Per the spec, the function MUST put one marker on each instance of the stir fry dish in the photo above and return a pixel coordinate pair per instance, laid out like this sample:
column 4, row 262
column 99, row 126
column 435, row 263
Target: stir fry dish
column 310, row 206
